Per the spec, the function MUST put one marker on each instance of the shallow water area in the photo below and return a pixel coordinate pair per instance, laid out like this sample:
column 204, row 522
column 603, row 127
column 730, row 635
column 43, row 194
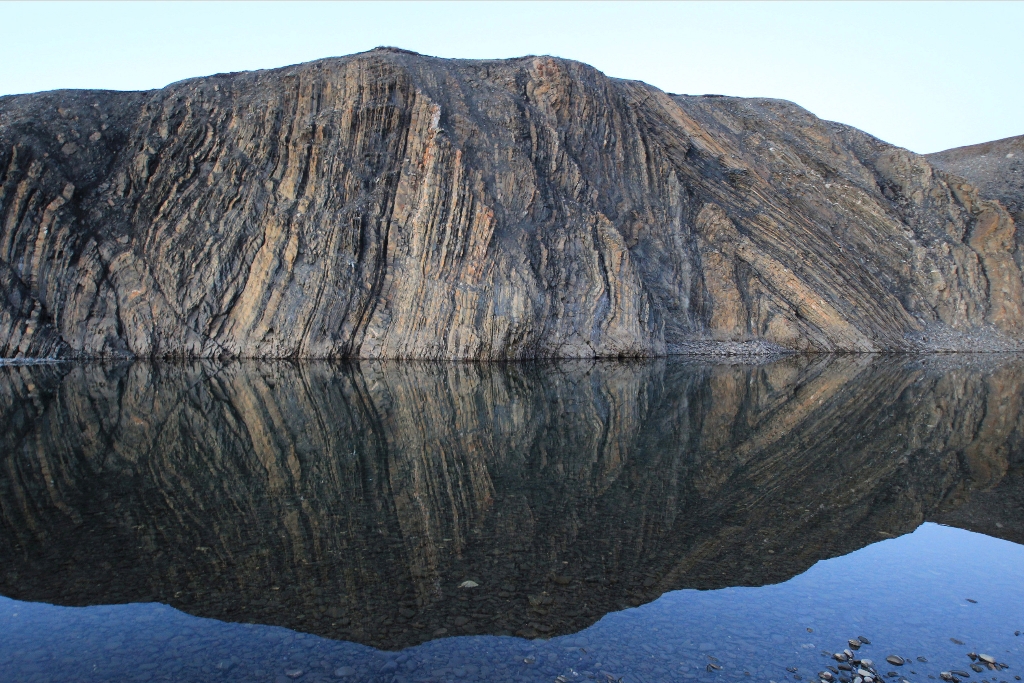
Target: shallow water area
column 647, row 521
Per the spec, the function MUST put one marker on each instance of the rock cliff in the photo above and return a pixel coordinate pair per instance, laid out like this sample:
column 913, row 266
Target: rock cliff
column 389, row 204
column 351, row 500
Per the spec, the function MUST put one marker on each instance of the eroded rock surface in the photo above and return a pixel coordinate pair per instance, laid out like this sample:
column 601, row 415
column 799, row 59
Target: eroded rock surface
column 353, row 501
column 389, row 204
column 996, row 168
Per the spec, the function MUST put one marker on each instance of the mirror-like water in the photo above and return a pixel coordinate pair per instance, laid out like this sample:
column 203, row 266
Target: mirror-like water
column 635, row 520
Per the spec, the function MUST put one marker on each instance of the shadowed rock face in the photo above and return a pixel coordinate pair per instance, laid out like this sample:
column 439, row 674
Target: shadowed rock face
column 391, row 205
column 351, row 501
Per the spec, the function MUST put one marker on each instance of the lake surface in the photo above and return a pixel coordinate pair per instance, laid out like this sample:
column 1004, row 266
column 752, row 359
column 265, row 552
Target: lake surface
column 550, row 521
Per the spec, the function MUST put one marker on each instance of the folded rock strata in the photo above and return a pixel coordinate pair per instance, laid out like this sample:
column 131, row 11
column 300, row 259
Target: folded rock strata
column 388, row 205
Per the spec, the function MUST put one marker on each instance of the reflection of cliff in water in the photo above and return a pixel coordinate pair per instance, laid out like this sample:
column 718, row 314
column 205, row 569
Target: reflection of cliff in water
column 352, row 500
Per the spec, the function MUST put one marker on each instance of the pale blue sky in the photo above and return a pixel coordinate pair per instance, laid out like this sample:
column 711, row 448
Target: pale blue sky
column 927, row 76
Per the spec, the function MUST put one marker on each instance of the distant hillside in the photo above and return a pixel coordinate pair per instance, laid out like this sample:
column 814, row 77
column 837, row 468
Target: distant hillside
column 996, row 168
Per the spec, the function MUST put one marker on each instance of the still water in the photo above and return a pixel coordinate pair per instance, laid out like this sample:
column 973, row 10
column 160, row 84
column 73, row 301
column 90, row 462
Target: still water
column 668, row 520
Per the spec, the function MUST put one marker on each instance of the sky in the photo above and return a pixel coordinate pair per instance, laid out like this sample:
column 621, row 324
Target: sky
column 923, row 75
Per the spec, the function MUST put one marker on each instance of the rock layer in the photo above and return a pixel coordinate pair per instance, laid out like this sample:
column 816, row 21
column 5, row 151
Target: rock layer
column 389, row 204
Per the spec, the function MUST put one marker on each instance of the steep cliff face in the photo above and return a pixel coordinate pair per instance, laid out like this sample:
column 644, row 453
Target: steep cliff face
column 352, row 500
column 393, row 205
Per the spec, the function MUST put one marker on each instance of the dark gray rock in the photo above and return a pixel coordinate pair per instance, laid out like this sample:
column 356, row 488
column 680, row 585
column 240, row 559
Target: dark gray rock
column 996, row 168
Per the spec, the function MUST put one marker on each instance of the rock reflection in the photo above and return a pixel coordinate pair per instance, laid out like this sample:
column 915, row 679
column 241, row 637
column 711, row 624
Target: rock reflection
column 352, row 500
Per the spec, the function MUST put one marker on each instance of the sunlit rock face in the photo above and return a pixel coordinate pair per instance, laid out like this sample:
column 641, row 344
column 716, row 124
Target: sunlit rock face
column 352, row 501
column 391, row 205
